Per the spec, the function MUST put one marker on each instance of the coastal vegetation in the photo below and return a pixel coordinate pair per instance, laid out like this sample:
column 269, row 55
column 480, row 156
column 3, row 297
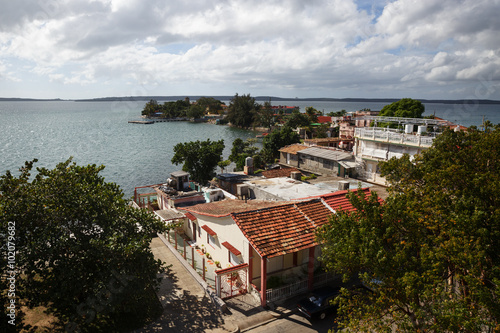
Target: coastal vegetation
column 199, row 158
column 242, row 111
column 429, row 254
column 79, row 250
column 406, row 108
column 241, row 150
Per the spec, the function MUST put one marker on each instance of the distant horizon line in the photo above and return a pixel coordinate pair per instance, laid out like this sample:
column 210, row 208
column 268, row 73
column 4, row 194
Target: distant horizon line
column 257, row 98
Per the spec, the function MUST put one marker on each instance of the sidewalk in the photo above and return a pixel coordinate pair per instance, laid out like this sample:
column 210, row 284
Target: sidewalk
column 188, row 307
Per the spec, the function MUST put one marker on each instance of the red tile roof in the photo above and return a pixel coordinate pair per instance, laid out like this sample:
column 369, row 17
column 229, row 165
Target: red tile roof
column 208, row 230
column 190, row 216
column 315, row 211
column 226, row 207
column 293, row 149
column 338, row 200
column 231, row 248
column 324, row 119
column 282, row 229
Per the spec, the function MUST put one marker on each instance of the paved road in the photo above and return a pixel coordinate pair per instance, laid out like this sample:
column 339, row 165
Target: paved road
column 295, row 323
column 186, row 307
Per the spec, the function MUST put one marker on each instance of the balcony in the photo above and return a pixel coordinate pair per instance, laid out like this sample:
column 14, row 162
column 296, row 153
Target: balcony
column 393, row 136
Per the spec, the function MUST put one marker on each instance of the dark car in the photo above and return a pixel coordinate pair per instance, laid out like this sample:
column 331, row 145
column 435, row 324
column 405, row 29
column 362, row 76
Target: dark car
column 320, row 303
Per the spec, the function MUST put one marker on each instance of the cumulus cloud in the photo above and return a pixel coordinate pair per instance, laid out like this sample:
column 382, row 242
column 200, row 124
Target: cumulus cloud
column 316, row 48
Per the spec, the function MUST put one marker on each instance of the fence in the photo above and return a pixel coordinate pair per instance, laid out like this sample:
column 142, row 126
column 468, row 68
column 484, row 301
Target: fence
column 383, row 135
column 204, row 267
column 297, row 288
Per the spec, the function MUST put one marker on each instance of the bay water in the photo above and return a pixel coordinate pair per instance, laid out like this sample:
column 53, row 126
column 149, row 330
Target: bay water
column 135, row 154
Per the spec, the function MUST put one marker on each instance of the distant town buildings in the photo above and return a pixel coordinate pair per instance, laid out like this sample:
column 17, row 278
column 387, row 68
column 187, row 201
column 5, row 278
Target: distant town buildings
column 260, row 226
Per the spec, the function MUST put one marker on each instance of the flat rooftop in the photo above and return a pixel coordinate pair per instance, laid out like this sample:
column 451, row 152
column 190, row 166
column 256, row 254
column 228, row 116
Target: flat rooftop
column 288, row 189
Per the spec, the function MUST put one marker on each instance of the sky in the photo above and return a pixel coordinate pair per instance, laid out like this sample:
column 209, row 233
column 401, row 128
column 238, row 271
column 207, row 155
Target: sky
column 72, row 49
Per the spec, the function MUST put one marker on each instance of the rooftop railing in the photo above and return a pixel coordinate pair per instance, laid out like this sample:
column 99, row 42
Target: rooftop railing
column 384, row 135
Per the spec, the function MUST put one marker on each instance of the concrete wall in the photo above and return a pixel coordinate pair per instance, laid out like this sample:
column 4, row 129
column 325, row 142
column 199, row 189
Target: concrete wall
column 290, row 159
column 326, row 167
column 227, row 231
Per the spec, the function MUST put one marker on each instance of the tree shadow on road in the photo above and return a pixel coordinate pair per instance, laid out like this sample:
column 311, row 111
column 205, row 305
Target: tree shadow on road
column 182, row 311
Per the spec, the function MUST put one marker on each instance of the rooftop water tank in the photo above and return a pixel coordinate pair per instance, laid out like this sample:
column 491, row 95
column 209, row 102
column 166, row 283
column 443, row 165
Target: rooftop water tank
column 421, row 130
column 249, row 162
column 408, row 128
column 343, row 185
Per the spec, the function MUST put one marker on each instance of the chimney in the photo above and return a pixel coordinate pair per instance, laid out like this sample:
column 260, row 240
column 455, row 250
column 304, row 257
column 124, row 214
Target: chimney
column 343, row 185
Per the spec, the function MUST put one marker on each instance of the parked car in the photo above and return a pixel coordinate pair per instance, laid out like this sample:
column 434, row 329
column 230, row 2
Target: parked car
column 319, row 304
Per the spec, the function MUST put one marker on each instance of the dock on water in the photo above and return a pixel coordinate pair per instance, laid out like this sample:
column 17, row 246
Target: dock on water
column 141, row 122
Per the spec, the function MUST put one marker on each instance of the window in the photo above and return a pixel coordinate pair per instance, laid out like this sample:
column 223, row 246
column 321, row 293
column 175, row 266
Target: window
column 210, row 235
column 233, row 253
column 210, row 239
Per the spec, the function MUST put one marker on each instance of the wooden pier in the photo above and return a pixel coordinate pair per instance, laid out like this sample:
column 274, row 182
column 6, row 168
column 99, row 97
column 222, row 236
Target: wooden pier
column 156, row 120
column 141, row 122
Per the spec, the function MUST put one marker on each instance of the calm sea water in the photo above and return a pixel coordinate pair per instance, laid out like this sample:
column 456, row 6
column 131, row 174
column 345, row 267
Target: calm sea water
column 134, row 155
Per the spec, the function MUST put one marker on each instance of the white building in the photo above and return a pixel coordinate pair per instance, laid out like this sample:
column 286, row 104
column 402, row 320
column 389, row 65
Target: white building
column 375, row 144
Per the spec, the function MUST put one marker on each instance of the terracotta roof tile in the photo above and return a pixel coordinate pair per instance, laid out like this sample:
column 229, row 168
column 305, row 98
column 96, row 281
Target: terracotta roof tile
column 282, row 229
column 208, row 230
column 231, row 248
column 315, row 211
column 324, row 119
column 226, row 207
column 190, row 216
column 293, row 149
column 338, row 200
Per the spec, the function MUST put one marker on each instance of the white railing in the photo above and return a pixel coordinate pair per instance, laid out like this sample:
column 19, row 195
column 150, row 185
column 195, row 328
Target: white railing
column 289, row 290
column 297, row 288
column 383, row 135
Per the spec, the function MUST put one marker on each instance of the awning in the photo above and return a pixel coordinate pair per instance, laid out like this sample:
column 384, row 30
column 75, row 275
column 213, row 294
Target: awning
column 209, row 231
column 349, row 164
column 167, row 215
column 231, row 248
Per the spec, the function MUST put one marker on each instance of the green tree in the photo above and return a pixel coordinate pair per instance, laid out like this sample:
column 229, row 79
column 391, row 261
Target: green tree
column 322, row 131
column 276, row 140
column 223, row 165
column 312, row 114
column 195, row 112
column 430, row 252
column 150, row 108
column 81, row 250
column 200, row 158
column 406, row 107
column 174, row 109
column 242, row 110
column 297, row 120
column 241, row 150
column 337, row 113
column 265, row 116
column 210, row 104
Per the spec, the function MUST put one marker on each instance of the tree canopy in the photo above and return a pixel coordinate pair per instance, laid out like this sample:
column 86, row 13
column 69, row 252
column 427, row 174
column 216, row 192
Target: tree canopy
column 195, row 111
column 81, row 250
column 241, row 150
column 431, row 252
column 264, row 116
column 277, row 139
column 172, row 109
column 242, row 110
column 210, row 104
column 200, row 158
column 297, row 119
column 406, row 107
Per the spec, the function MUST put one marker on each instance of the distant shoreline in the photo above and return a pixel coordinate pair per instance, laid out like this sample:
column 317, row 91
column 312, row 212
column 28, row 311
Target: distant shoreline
column 257, row 98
